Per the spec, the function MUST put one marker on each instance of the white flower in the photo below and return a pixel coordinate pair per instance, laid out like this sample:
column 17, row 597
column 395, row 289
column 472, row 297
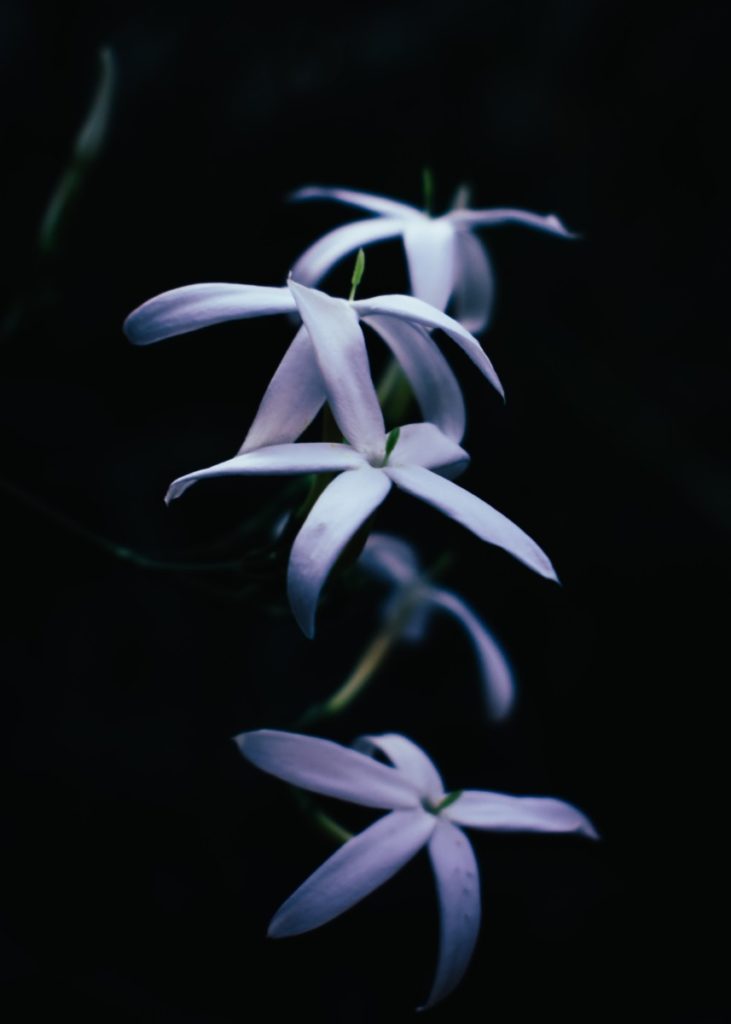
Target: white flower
column 422, row 814
column 316, row 358
column 395, row 561
column 416, row 458
column 443, row 256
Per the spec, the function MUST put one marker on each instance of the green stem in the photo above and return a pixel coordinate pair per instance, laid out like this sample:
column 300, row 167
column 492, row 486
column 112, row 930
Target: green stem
column 427, row 186
column 332, row 829
column 368, row 664
column 389, row 381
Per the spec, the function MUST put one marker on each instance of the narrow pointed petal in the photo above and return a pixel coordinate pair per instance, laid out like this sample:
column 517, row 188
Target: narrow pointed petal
column 499, row 812
column 423, row 444
column 390, row 558
column 363, row 200
column 319, row 259
column 339, row 345
column 430, row 255
column 277, row 460
column 336, row 516
column 406, row 307
column 498, row 681
column 491, row 218
column 407, row 758
column 295, row 395
column 363, row 864
column 474, row 514
column 322, row 766
column 474, row 283
column 458, row 891
column 194, row 306
column 434, row 385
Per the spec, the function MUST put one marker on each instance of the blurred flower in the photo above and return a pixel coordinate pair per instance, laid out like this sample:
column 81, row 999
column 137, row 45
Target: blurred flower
column 416, row 458
column 421, row 814
column 395, row 561
column 315, row 360
column 444, row 258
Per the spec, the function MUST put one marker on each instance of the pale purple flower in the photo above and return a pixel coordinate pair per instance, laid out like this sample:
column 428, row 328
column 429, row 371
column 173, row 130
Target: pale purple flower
column 445, row 260
column 396, row 562
column 422, row 813
column 316, row 358
column 417, row 459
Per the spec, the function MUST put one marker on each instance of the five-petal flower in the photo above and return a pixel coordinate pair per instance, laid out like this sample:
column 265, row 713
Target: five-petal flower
column 368, row 464
column 421, row 814
column 317, row 358
column 396, row 562
column 444, row 258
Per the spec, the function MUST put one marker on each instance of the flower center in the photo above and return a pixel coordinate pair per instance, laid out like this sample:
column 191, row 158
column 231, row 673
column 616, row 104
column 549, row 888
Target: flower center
column 443, row 803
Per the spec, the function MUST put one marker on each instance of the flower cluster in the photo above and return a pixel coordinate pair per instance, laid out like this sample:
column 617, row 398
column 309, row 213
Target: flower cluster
column 327, row 364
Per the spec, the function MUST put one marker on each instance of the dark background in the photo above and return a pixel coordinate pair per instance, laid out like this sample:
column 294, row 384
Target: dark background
column 145, row 857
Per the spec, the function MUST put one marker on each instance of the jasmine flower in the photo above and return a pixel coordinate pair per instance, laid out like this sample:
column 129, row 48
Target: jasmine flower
column 444, row 258
column 421, row 813
column 329, row 348
column 395, row 561
column 417, row 458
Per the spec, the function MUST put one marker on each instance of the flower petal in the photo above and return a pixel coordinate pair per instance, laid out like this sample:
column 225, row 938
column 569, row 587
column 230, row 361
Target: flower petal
column 336, row 516
column 322, row 766
column 364, row 200
column 429, row 248
column 293, row 398
column 498, row 681
column 423, row 444
column 363, row 864
column 340, row 348
column 500, row 812
column 474, row 283
column 490, row 218
column 408, row 759
column 458, row 891
column 406, row 307
column 429, row 374
column 194, row 306
column 390, row 558
column 277, row 460
column 473, row 513
column 326, row 252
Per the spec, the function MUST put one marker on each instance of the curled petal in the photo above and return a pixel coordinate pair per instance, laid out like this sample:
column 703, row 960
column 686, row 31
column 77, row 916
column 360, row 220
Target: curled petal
column 498, row 681
column 322, row 766
column 430, row 254
column 474, row 283
column 364, row 200
column 458, row 891
column 474, row 514
column 336, row 516
column 294, row 397
column 491, row 218
column 363, row 864
column 407, row 307
column 434, row 385
column 319, row 259
column 423, row 444
column 194, row 306
column 498, row 812
column 409, row 759
column 277, row 460
column 339, row 345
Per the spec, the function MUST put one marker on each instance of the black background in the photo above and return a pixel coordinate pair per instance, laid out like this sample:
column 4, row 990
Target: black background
column 145, row 857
